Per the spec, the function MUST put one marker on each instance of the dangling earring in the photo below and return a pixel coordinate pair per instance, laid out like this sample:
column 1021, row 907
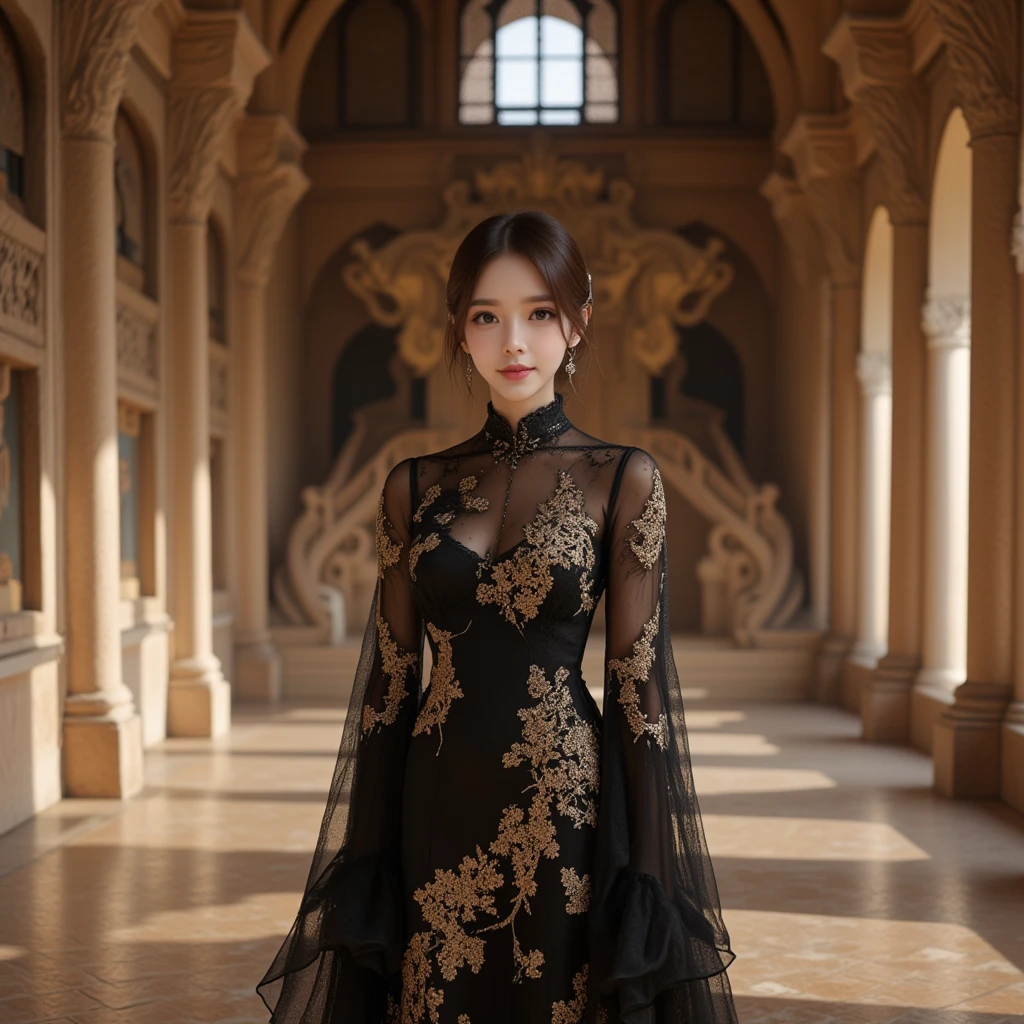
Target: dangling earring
column 570, row 366
column 469, row 373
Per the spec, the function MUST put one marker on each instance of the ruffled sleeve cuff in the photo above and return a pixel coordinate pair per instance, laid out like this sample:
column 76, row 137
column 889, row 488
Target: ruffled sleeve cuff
column 646, row 943
column 363, row 912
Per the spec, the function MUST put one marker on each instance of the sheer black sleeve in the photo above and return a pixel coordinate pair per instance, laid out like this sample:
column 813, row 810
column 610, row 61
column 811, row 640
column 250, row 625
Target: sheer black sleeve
column 659, row 945
column 340, row 960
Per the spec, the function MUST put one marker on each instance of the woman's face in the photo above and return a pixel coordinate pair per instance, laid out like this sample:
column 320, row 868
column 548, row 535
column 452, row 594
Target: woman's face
column 514, row 335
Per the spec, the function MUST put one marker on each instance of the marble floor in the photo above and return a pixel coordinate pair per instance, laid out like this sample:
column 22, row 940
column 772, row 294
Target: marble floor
column 852, row 893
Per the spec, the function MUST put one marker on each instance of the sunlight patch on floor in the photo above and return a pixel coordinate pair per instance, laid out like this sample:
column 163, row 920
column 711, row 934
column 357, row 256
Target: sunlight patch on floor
column 720, row 780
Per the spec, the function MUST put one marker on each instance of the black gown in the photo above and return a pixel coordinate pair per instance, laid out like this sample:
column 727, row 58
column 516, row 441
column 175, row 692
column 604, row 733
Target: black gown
column 494, row 851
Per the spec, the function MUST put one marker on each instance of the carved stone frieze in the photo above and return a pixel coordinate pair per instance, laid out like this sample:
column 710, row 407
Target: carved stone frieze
column 982, row 43
column 822, row 150
column 650, row 281
column 946, row 321
column 216, row 58
column 271, row 182
column 795, row 218
column 20, row 280
column 136, row 342
column 96, row 38
column 875, row 58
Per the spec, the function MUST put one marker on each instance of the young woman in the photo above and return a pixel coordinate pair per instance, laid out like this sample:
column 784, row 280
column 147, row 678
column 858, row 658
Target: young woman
column 494, row 850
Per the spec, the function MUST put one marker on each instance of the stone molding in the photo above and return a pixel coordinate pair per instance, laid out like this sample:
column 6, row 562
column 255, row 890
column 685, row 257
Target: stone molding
column 270, row 185
column 96, row 38
column 823, row 153
column 874, row 371
column 21, row 279
column 982, row 46
column 216, row 57
column 875, row 57
column 795, row 218
column 946, row 321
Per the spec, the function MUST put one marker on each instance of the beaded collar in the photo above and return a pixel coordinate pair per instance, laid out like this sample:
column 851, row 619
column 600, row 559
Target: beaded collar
column 535, row 428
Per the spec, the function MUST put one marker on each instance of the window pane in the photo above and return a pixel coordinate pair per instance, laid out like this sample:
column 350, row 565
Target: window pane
column 476, row 113
column 560, row 39
column 477, row 84
column 517, row 83
column 602, row 113
column 561, row 83
column 559, row 117
column 128, row 459
column 10, row 513
column 517, row 117
column 518, row 39
column 602, row 84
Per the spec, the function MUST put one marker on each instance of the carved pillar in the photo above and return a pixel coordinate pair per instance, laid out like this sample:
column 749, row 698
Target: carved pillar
column 216, row 56
column 270, row 184
column 799, row 230
column 982, row 47
column 875, row 58
column 947, row 323
column 102, row 733
column 874, row 372
column 823, row 154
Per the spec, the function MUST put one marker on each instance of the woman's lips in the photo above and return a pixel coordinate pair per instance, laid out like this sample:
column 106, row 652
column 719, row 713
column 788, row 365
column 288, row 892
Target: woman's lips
column 516, row 372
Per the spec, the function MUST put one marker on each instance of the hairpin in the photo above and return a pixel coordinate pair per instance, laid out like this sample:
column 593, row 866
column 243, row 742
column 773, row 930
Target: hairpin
column 590, row 291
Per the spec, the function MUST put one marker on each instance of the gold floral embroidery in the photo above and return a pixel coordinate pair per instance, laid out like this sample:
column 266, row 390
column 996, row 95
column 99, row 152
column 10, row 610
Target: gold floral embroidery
column 560, row 534
column 396, row 665
column 572, row 1011
column 444, row 518
column 577, row 891
column 463, row 1019
column 650, row 525
column 476, row 503
column 636, row 669
column 388, row 550
column 432, row 493
column 444, row 687
column 562, row 751
column 418, row 548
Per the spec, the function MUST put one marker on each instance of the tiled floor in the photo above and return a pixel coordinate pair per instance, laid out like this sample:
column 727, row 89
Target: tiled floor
column 852, row 893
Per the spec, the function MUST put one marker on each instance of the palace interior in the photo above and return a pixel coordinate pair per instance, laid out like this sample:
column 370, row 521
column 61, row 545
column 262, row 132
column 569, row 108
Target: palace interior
column 225, row 229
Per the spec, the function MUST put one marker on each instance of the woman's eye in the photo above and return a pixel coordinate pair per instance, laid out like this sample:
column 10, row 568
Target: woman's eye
column 479, row 318
column 544, row 314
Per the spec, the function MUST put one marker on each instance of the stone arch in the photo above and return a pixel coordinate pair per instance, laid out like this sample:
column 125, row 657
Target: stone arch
column 876, row 290
column 132, row 130
column 949, row 255
column 25, row 59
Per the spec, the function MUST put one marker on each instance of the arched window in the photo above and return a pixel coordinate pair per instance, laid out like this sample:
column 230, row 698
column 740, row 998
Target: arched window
column 12, row 115
column 365, row 69
column 711, row 73
column 551, row 62
column 129, row 193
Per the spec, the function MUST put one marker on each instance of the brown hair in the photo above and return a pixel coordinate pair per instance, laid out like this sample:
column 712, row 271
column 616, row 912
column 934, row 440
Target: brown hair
column 542, row 240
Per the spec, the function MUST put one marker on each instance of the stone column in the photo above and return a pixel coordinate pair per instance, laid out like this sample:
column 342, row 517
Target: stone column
column 822, row 150
column 270, row 184
column 216, row 56
column 874, row 372
column 102, row 733
column 982, row 46
column 947, row 323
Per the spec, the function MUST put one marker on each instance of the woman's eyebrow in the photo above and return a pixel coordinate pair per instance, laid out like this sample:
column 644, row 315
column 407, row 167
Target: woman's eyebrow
column 495, row 302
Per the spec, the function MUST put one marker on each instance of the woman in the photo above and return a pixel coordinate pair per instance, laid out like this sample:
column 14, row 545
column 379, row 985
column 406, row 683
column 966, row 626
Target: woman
column 494, row 851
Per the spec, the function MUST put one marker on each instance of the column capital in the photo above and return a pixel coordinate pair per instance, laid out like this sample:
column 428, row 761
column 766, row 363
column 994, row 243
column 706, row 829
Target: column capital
column 982, row 46
column 795, row 218
column 216, row 57
column 874, row 371
column 946, row 321
column 823, row 153
column 96, row 38
column 270, row 183
column 875, row 58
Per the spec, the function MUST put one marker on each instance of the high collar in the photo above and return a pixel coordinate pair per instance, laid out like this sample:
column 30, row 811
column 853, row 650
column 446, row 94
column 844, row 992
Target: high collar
column 534, row 429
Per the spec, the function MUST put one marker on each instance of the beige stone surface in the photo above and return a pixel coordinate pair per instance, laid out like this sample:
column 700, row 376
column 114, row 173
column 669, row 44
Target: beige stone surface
column 852, row 892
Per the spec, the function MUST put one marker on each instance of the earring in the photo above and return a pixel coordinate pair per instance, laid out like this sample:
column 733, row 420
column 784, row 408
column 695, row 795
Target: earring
column 469, row 373
column 570, row 366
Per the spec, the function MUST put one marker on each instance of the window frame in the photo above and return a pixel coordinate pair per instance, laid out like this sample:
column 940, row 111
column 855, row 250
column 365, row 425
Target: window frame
column 494, row 125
